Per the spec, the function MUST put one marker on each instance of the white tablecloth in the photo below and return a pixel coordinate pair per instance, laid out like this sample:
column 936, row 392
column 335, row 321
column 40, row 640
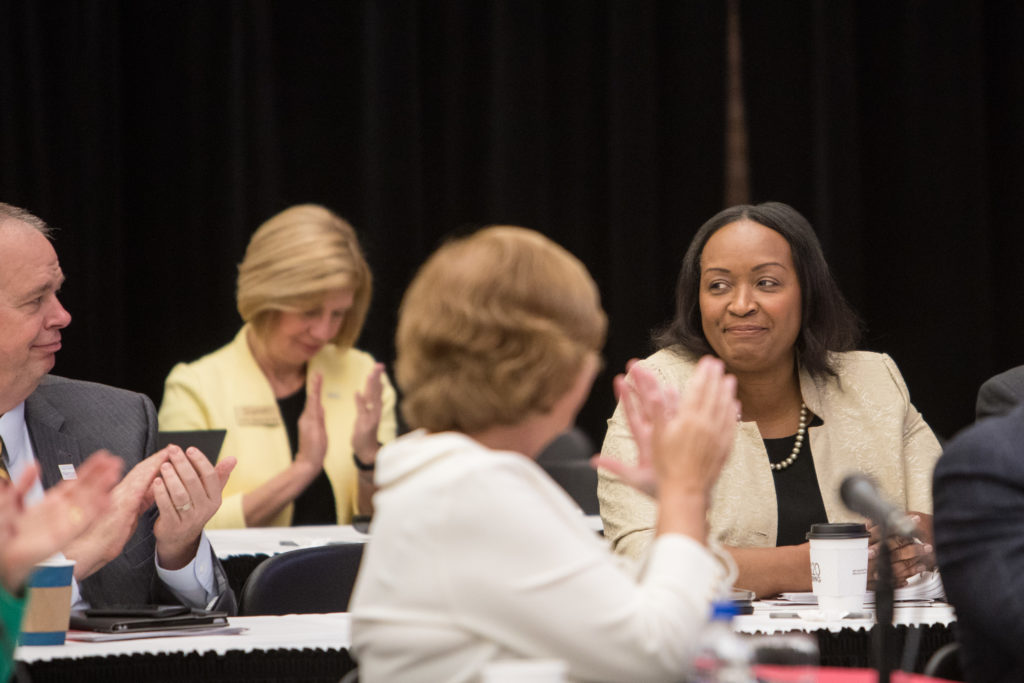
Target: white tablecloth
column 294, row 631
column 272, row 540
column 333, row 632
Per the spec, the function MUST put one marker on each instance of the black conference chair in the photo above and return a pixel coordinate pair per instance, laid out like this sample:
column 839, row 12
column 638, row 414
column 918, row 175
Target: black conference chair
column 945, row 663
column 567, row 461
column 305, row 581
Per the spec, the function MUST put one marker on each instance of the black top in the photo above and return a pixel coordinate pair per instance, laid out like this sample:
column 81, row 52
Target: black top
column 796, row 489
column 315, row 505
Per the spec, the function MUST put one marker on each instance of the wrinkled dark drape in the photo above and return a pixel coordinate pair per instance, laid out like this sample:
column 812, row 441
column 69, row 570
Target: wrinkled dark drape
column 158, row 135
column 897, row 127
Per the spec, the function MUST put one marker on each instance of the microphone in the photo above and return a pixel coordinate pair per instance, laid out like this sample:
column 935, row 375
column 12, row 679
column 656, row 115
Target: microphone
column 860, row 495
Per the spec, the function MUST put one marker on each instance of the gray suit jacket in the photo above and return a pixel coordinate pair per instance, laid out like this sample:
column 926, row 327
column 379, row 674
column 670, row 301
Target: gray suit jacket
column 1001, row 393
column 979, row 542
column 68, row 420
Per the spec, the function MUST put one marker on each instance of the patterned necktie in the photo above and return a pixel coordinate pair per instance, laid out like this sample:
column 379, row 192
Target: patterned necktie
column 4, row 474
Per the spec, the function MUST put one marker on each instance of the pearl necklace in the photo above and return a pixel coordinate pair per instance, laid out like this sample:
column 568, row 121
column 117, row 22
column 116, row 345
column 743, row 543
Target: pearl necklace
column 776, row 466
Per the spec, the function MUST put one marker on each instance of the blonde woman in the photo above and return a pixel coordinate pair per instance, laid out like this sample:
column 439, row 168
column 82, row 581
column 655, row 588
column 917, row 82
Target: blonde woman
column 477, row 555
column 305, row 411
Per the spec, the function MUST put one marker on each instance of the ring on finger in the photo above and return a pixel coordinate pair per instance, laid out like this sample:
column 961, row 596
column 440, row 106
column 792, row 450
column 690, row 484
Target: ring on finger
column 184, row 508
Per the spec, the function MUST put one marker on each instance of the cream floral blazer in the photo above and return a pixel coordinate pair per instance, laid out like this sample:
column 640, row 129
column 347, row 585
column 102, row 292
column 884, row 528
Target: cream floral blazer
column 869, row 426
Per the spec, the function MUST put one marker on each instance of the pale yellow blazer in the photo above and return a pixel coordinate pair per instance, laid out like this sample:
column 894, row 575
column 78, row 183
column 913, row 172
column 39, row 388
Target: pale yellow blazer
column 227, row 390
column 870, row 426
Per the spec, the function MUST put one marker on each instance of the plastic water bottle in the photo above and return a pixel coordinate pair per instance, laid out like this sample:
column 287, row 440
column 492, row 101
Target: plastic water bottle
column 723, row 656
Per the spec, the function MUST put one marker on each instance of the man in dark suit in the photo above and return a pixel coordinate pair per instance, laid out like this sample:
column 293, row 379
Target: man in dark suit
column 1001, row 394
column 979, row 540
column 137, row 552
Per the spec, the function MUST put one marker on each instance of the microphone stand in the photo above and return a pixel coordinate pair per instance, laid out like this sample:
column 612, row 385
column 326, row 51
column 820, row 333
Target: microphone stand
column 884, row 607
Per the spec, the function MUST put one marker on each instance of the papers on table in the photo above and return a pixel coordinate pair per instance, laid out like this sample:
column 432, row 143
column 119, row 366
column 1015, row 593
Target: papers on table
column 98, row 637
column 779, row 616
column 923, row 587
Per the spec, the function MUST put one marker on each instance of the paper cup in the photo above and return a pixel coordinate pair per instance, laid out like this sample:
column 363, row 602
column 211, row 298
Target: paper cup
column 49, row 604
column 839, row 566
column 523, row 670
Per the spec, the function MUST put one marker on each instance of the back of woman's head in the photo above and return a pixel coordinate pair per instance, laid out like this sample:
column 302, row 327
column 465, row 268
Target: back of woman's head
column 494, row 327
column 828, row 324
column 294, row 259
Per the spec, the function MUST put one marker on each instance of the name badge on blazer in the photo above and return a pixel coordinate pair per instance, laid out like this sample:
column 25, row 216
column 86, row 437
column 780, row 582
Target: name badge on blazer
column 258, row 416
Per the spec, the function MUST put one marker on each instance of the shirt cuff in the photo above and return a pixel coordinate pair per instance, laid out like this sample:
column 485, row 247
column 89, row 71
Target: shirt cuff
column 669, row 552
column 193, row 583
column 77, row 601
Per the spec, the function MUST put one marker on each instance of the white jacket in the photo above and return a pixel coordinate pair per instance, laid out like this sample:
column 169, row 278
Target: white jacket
column 477, row 555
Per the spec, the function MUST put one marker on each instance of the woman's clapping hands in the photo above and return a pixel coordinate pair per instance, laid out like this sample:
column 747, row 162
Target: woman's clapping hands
column 683, row 439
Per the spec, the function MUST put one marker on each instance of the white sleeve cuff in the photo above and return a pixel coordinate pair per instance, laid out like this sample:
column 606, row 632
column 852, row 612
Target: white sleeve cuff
column 193, row 583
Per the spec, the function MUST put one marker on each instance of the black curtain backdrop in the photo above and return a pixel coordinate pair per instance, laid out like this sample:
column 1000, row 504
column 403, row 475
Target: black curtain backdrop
column 156, row 136
column 897, row 127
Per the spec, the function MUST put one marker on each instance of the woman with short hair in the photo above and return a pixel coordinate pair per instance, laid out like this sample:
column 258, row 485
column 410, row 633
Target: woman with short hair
column 476, row 554
column 305, row 411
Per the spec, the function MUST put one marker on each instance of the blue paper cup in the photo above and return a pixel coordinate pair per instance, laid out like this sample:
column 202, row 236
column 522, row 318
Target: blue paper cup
column 49, row 604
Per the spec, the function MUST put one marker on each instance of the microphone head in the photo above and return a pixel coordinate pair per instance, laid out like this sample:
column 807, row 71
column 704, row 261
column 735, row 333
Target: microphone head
column 861, row 495
column 856, row 490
